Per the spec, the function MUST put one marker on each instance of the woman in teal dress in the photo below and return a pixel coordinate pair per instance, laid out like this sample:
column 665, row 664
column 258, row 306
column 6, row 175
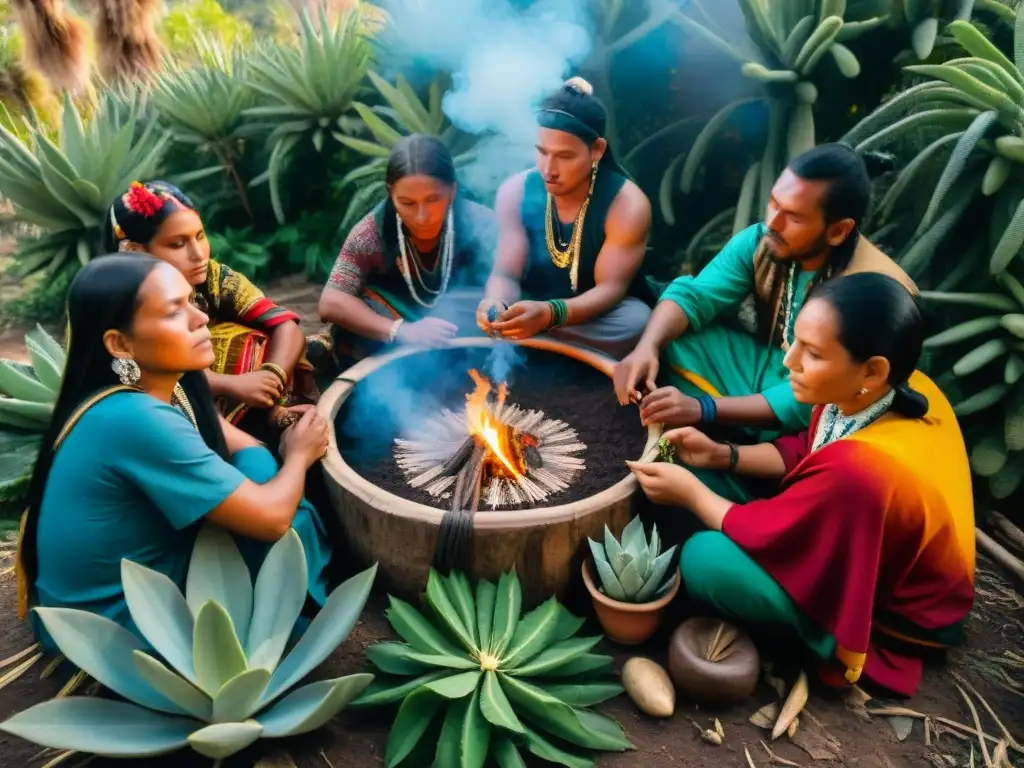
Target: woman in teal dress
column 137, row 455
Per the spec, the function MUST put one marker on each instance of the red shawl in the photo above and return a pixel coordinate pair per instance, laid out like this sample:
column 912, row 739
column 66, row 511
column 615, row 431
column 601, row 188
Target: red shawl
column 873, row 534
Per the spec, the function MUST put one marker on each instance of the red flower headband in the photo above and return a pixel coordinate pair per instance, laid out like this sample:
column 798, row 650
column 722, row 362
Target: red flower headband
column 142, row 200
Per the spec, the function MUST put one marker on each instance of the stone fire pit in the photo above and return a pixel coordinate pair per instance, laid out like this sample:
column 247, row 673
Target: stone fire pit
column 387, row 521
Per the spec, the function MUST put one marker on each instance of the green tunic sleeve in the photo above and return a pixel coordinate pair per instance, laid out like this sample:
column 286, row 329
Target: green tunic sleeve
column 722, row 285
column 791, row 414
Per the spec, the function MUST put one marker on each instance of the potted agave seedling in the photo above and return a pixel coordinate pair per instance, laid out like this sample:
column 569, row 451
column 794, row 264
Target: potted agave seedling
column 633, row 583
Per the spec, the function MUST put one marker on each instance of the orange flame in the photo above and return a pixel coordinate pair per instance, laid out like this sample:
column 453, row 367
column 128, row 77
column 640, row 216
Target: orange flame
column 482, row 422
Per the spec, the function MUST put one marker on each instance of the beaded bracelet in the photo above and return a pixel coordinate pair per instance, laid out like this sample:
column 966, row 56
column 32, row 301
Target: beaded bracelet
column 708, row 409
column 277, row 370
column 559, row 313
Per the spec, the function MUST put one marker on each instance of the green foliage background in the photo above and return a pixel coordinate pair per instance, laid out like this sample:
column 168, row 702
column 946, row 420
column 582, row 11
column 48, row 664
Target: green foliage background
column 278, row 125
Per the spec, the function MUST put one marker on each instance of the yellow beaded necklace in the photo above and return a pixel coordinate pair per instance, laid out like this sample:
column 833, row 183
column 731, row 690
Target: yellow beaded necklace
column 179, row 399
column 570, row 255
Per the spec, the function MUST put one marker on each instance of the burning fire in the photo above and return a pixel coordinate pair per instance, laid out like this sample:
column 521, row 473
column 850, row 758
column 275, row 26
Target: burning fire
column 485, row 426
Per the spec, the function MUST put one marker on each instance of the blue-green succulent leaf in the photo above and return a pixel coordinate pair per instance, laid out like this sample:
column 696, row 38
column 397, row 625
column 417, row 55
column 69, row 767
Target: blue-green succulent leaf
column 161, row 614
column 311, row 706
column 103, row 649
column 218, row 654
column 609, row 581
column 100, row 727
column 633, row 537
column 631, row 581
column 237, row 698
column 327, row 631
column 217, row 572
column 659, row 568
column 277, row 602
column 224, row 739
column 611, row 546
column 173, row 686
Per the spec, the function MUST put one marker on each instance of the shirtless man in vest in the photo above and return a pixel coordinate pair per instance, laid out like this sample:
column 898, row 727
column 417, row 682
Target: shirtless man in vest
column 572, row 234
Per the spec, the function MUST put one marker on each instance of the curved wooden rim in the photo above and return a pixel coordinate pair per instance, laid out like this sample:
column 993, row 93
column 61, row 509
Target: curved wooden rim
column 599, row 596
column 377, row 497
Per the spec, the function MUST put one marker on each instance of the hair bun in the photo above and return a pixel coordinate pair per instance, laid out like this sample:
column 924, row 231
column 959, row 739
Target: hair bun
column 878, row 163
column 579, row 85
column 909, row 402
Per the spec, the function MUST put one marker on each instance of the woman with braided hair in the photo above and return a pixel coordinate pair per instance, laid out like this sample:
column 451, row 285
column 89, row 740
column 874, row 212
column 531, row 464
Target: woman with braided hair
column 258, row 345
column 406, row 270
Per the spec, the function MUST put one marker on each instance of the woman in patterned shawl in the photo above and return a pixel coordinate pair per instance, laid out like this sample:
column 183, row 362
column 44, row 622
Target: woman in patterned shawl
column 259, row 346
column 393, row 280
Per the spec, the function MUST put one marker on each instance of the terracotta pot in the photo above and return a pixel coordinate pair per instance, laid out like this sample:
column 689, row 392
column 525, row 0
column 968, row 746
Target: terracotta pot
column 627, row 623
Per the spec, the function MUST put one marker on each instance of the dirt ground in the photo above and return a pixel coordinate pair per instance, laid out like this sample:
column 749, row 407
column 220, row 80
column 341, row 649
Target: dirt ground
column 358, row 741
column 829, row 729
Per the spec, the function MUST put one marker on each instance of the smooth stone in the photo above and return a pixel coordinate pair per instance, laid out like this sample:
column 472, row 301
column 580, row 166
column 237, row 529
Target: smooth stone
column 649, row 686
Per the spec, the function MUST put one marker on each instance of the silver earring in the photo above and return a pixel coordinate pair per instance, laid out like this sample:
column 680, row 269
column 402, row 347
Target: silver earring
column 127, row 370
column 862, row 392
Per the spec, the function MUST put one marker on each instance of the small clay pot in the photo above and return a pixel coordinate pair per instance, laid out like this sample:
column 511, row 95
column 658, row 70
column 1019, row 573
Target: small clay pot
column 713, row 662
column 627, row 623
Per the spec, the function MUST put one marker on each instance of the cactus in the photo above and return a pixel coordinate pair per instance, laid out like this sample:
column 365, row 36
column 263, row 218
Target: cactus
column 635, row 570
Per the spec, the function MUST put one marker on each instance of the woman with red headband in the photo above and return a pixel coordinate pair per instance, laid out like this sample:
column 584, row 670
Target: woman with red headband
column 259, row 346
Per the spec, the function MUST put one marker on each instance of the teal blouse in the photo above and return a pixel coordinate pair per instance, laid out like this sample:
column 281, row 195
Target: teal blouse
column 132, row 480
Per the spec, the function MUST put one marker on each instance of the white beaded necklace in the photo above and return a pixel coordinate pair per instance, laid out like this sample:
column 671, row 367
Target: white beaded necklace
column 790, row 296
column 446, row 250
column 833, row 425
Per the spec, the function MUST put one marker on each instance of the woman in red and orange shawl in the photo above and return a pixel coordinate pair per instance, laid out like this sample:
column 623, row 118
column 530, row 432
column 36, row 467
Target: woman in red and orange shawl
column 867, row 551
column 258, row 345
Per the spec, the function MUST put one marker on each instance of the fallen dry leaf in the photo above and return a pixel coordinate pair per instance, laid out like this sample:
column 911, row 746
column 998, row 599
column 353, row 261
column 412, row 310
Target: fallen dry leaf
column 766, row 716
column 901, row 726
column 795, row 702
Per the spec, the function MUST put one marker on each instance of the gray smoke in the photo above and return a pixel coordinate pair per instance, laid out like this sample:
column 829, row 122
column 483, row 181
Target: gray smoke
column 502, row 60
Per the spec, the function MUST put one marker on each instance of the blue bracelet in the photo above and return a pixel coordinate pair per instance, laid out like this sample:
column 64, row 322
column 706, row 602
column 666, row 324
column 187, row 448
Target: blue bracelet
column 708, row 409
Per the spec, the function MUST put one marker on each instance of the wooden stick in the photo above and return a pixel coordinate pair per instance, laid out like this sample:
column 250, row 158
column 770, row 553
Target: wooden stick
column 977, row 727
column 967, row 731
column 458, row 460
column 998, row 553
column 1008, row 531
column 1011, row 741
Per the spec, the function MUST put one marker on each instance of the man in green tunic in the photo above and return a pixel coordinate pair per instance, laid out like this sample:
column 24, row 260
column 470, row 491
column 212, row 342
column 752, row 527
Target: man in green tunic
column 724, row 333
column 571, row 237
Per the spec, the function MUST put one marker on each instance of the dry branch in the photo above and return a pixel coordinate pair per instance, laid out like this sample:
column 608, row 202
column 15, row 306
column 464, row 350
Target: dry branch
column 999, row 553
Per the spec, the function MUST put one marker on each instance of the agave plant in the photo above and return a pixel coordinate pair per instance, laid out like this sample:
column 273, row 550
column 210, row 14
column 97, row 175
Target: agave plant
column 409, row 115
column 203, row 107
column 65, row 187
column 925, row 18
column 635, row 570
column 501, row 686
column 308, row 89
column 788, row 42
column 221, row 683
column 998, row 343
column 973, row 109
column 29, row 392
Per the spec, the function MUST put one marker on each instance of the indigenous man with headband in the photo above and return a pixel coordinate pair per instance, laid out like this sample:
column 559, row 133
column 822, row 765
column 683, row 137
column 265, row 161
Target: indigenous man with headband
column 571, row 236
column 724, row 368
